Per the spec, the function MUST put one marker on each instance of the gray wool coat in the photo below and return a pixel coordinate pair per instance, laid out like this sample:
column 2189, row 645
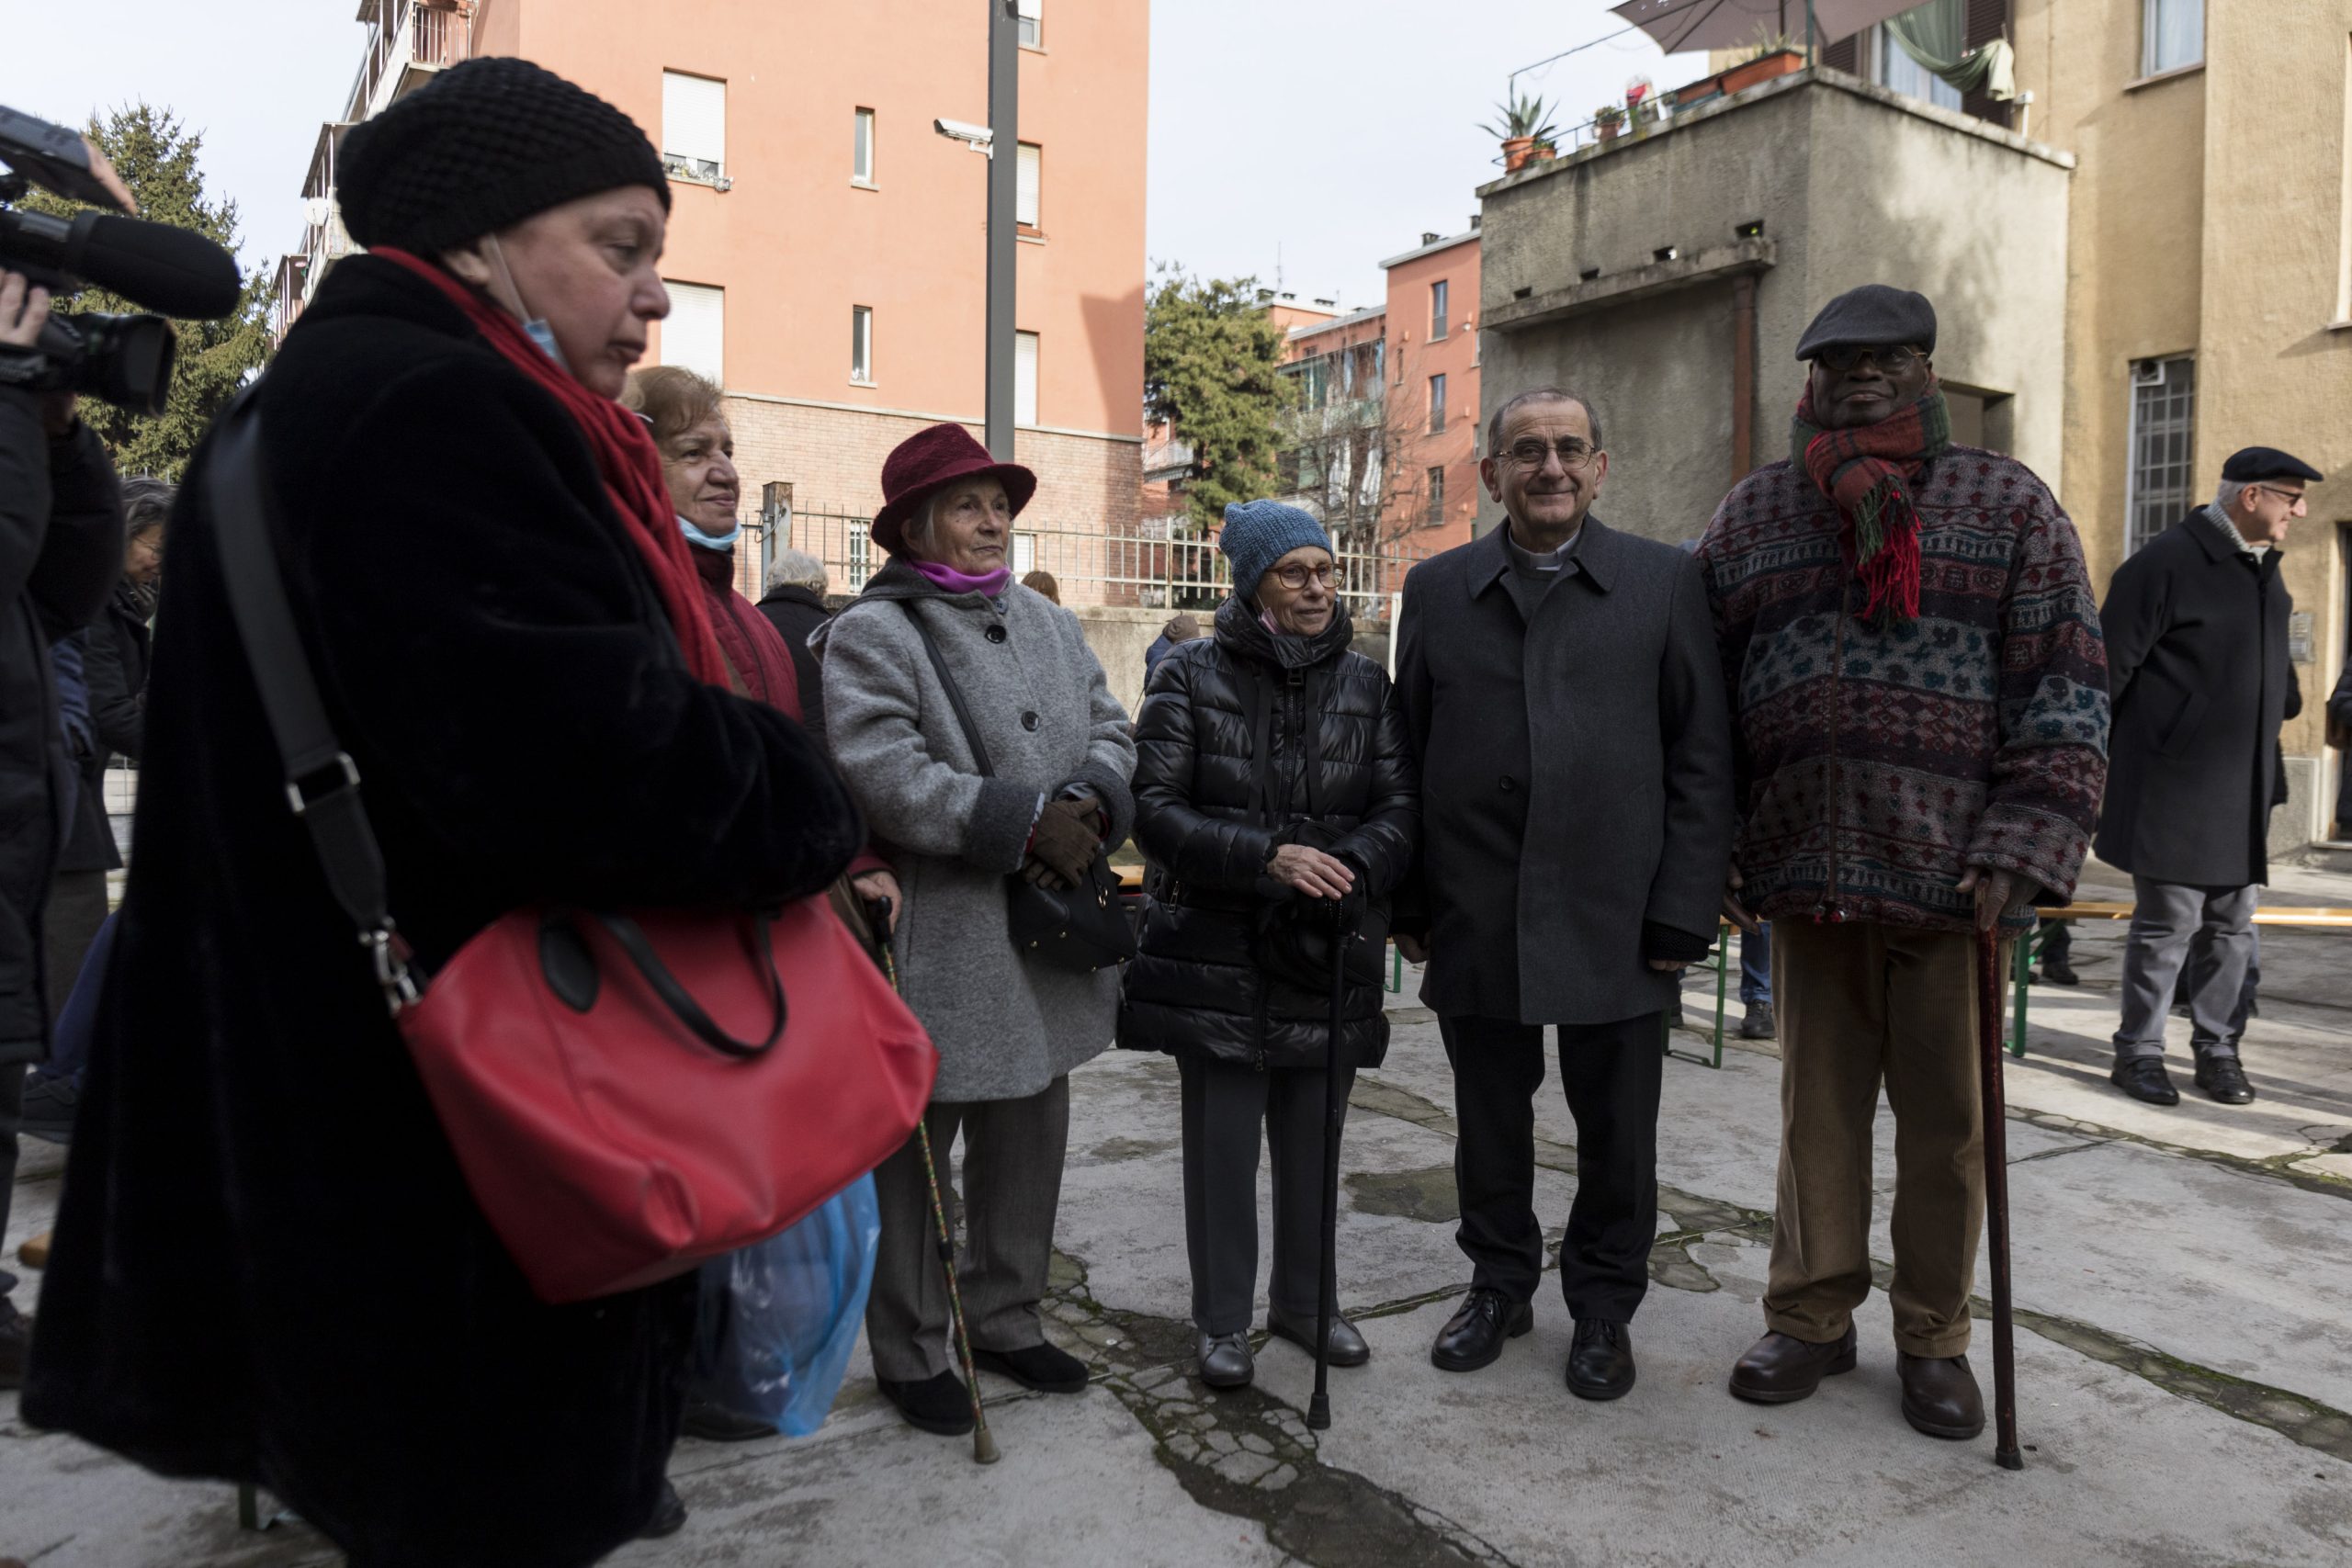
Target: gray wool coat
column 1575, row 779
column 1006, row 1025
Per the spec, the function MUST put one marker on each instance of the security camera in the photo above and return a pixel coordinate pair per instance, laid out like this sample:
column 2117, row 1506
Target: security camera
column 979, row 138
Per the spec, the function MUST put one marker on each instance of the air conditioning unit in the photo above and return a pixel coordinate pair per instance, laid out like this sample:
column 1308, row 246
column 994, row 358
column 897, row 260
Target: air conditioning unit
column 2147, row 373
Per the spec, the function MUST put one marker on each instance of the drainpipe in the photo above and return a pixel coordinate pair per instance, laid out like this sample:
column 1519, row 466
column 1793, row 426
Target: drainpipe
column 1742, row 375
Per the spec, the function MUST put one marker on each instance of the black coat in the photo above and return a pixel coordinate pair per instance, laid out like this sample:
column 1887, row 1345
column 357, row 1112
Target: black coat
column 114, row 669
column 1575, row 778
column 268, row 1265
column 1194, row 988
column 2198, row 671
column 796, row 612
column 60, row 550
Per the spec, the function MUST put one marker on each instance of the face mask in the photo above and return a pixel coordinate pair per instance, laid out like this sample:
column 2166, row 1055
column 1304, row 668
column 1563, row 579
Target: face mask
column 535, row 327
column 711, row 541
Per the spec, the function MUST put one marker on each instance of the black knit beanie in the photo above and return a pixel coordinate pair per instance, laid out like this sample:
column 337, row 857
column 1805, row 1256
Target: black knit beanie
column 479, row 148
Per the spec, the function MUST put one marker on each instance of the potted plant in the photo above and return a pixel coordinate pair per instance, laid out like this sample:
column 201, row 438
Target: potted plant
column 1544, row 149
column 1608, row 119
column 1522, row 125
column 1776, row 54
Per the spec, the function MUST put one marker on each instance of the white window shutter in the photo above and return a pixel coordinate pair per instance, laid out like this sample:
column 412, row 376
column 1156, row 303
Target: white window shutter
column 1024, row 377
column 1031, row 181
column 694, row 334
column 693, row 118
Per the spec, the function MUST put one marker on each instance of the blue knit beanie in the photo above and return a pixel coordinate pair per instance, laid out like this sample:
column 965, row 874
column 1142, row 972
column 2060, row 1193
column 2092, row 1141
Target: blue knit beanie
column 1260, row 533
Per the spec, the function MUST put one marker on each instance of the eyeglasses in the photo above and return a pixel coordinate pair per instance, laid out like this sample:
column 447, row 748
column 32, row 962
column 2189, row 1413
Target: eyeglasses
column 1531, row 452
column 1894, row 359
column 1294, row 575
column 2293, row 498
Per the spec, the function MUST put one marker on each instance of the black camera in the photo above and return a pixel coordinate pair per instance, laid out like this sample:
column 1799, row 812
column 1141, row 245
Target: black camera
column 125, row 360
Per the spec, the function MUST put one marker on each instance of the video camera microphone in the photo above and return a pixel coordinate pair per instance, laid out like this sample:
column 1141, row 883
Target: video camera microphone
column 176, row 271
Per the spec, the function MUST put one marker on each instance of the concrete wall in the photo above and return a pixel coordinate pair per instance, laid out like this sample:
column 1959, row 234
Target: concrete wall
column 1852, row 185
column 1118, row 638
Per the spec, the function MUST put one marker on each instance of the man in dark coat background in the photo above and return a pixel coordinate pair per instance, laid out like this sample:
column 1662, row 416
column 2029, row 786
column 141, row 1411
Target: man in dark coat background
column 795, row 605
column 2196, row 626
column 1561, row 684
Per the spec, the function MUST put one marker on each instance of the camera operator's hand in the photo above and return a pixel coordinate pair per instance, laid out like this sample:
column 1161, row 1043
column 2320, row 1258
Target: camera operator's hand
column 24, row 310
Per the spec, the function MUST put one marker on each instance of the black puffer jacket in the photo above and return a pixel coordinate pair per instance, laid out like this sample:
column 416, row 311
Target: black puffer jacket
column 1196, row 987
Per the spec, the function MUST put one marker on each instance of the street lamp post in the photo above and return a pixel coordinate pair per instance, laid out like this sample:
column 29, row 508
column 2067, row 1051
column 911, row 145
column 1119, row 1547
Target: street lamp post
column 1004, row 178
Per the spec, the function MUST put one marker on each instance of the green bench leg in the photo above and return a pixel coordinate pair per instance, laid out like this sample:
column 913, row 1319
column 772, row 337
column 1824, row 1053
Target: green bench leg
column 1666, row 1024
column 2024, row 967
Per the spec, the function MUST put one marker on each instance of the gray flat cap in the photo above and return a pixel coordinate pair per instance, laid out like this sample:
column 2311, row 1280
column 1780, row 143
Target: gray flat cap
column 1876, row 315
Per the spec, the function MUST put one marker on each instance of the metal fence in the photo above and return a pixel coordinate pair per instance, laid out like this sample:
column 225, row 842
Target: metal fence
column 1156, row 564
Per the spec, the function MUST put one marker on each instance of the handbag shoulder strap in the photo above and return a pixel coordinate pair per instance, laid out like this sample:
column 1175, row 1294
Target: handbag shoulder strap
column 954, row 693
column 322, row 781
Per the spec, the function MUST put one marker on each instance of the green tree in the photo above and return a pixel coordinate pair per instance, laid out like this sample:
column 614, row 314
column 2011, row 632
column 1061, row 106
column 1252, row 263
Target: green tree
column 157, row 159
column 1211, row 371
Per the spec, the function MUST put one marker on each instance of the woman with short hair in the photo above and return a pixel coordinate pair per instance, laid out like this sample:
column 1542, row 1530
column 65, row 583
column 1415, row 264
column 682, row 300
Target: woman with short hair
column 793, row 600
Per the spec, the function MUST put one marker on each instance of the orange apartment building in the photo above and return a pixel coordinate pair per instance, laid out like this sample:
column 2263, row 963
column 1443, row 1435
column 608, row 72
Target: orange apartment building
column 826, row 251
column 1387, row 423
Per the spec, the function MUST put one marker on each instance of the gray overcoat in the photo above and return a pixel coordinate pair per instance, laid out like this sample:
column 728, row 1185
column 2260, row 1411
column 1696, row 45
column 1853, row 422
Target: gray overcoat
column 1575, row 778
column 1006, row 1025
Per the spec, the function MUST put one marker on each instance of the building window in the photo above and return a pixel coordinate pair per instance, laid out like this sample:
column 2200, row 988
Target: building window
column 694, row 127
column 861, row 554
column 1028, row 182
column 694, row 334
column 1437, row 497
column 1437, row 404
column 2163, row 427
column 1032, row 23
column 1437, row 310
column 1024, row 377
column 861, row 155
column 1890, row 67
column 861, row 345
column 2172, row 34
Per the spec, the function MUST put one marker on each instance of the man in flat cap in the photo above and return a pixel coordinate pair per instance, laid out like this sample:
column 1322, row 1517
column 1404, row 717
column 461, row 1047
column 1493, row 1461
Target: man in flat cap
column 1919, row 698
column 2196, row 627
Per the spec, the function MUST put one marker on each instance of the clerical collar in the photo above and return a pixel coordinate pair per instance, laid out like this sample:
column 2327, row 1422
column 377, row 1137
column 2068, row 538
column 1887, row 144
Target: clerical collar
column 1547, row 561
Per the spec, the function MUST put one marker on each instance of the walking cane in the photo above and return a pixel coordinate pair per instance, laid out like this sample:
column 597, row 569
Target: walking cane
column 1996, row 1198
column 983, row 1442
column 1326, row 1268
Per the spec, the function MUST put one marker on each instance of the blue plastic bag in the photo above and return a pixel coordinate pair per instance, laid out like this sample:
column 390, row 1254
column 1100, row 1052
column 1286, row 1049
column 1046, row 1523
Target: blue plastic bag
column 779, row 1320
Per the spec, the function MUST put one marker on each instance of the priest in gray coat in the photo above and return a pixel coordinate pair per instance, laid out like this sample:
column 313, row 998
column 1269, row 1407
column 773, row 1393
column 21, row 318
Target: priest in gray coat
column 1566, row 700
column 2196, row 626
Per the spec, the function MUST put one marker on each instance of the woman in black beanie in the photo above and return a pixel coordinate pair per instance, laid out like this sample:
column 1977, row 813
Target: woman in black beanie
column 268, row 1265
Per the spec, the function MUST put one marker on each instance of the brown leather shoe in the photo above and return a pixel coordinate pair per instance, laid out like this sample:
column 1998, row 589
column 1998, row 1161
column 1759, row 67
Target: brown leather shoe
column 33, row 1254
column 1940, row 1395
column 1782, row 1369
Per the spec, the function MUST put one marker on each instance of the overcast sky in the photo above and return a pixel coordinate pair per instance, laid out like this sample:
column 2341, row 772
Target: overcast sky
column 1310, row 136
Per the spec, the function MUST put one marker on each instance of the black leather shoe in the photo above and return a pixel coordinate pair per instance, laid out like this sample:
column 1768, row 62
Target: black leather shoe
column 1600, row 1363
column 2058, row 972
column 1226, row 1362
column 939, row 1404
column 1044, row 1368
column 1348, row 1348
column 1782, row 1369
column 669, row 1515
column 714, row 1423
column 2144, row 1077
column 1941, row 1396
column 2222, row 1078
column 1759, row 1024
column 1474, row 1335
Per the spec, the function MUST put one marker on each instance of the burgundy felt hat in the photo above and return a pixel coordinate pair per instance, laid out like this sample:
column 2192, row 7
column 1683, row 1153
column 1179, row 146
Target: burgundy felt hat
column 931, row 458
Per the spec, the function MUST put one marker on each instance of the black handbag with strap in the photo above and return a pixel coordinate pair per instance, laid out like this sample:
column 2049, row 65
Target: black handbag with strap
column 1084, row 928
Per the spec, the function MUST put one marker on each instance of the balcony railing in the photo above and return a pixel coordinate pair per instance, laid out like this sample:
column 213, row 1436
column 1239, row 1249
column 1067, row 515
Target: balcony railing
column 411, row 39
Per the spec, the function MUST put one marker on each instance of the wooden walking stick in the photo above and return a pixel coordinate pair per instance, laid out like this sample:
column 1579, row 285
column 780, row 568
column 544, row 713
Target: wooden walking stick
column 983, row 1442
column 1996, row 1198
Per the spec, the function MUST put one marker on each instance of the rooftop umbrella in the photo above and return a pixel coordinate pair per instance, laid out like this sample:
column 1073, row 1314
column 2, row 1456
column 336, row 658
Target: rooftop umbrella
column 1680, row 25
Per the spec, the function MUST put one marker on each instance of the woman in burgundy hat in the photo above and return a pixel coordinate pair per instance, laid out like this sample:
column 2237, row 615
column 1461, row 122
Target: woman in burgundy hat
column 1009, row 1028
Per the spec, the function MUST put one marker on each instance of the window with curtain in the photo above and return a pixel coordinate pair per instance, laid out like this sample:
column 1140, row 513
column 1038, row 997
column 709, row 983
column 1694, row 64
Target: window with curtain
column 2164, row 430
column 694, row 334
column 860, row 343
column 2172, row 34
column 1032, row 23
column 1437, row 404
column 1437, row 497
column 1437, row 310
column 1029, row 186
column 693, row 126
column 861, row 153
column 1024, row 377
column 1907, row 49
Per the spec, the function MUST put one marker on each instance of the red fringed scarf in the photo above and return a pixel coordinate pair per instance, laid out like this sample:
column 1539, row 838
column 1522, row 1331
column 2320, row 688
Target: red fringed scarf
column 1868, row 472
column 626, row 459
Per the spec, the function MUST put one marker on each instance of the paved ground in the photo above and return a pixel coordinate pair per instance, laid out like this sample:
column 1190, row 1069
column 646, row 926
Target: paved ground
column 2184, row 1359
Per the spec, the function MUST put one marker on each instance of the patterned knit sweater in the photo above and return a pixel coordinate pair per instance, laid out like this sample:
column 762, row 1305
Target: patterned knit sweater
column 1876, row 766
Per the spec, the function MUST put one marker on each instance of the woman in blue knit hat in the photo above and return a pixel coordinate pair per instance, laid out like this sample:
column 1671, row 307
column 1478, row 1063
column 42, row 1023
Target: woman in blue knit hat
column 1276, row 801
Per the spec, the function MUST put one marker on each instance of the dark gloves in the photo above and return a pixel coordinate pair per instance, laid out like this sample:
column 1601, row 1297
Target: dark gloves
column 1064, row 843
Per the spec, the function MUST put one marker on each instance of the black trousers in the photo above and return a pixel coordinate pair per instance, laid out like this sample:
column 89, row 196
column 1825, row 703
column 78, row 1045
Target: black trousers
column 1612, row 1073
column 1223, row 1107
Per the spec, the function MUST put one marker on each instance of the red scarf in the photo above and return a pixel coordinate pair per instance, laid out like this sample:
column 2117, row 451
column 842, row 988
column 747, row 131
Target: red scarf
column 626, row 459
column 1868, row 471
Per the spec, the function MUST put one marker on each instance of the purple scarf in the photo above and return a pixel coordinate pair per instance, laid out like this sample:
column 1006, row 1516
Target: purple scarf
column 988, row 585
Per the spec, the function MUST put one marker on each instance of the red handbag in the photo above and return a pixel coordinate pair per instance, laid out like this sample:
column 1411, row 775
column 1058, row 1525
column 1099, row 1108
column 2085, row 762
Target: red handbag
column 627, row 1095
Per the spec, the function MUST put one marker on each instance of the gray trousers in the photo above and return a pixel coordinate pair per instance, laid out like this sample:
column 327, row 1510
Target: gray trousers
column 1223, row 1107
column 2167, row 921
column 1011, row 1185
